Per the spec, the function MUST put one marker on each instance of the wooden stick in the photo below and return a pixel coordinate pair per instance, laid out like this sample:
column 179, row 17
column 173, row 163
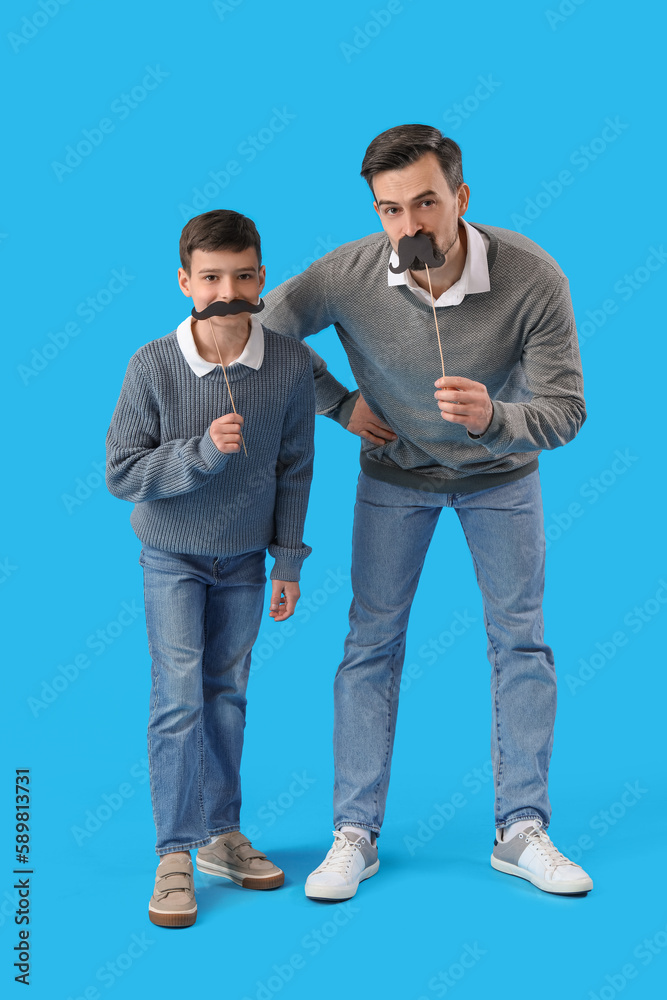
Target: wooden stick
column 435, row 318
column 224, row 372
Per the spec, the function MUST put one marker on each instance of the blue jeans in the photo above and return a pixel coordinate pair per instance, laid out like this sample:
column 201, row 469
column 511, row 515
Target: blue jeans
column 393, row 526
column 202, row 616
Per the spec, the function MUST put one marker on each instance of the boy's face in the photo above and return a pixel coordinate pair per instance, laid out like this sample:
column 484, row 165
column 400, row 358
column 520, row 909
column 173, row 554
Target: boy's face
column 222, row 275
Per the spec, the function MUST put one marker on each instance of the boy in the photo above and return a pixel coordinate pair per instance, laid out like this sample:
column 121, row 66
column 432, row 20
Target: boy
column 212, row 439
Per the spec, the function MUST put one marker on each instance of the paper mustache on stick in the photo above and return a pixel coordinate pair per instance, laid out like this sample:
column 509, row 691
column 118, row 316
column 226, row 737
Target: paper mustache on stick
column 228, row 308
column 418, row 253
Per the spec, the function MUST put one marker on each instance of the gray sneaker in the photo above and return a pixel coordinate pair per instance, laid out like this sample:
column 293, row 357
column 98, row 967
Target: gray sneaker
column 173, row 901
column 532, row 855
column 350, row 860
column 232, row 856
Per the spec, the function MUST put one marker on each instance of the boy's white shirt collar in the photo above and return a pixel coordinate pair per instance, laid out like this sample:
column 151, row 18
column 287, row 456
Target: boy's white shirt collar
column 252, row 354
column 475, row 276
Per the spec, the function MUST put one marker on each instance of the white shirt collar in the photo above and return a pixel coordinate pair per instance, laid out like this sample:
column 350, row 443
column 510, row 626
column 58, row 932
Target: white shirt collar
column 475, row 277
column 251, row 356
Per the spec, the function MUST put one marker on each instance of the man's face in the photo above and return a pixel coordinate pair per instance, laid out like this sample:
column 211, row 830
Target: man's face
column 417, row 198
column 222, row 275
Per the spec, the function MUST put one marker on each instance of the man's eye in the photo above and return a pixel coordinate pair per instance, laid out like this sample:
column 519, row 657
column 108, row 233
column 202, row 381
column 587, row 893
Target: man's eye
column 245, row 275
column 428, row 201
column 388, row 211
column 211, row 276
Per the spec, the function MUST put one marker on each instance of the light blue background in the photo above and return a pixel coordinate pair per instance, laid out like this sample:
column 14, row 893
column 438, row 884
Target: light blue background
column 71, row 564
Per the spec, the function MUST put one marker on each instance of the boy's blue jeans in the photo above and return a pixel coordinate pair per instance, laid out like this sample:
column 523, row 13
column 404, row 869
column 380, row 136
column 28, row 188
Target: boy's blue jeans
column 202, row 616
column 393, row 526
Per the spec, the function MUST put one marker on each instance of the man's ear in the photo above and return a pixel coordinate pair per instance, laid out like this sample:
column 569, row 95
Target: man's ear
column 462, row 198
column 375, row 206
column 184, row 282
column 261, row 274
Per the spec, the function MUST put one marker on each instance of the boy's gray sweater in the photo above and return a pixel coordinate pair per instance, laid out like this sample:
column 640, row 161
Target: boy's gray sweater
column 519, row 339
column 190, row 497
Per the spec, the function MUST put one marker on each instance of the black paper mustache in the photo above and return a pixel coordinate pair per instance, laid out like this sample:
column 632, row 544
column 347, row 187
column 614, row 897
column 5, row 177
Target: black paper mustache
column 228, row 308
column 416, row 251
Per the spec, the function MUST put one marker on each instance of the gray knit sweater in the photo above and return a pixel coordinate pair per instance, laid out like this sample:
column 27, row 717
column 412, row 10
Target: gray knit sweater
column 190, row 497
column 519, row 339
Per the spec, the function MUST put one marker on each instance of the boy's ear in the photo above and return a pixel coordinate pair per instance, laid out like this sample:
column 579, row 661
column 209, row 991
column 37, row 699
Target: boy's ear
column 261, row 274
column 184, row 282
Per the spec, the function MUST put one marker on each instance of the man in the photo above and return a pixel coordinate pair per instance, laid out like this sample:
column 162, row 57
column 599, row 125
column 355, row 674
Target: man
column 513, row 386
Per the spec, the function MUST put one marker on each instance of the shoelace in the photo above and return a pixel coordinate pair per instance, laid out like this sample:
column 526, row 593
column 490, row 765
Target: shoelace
column 341, row 855
column 543, row 844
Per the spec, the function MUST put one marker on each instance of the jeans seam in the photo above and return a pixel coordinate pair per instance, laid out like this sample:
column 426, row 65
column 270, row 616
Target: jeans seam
column 200, row 725
column 153, row 707
column 381, row 778
column 184, row 847
column 502, row 825
column 496, row 671
column 235, row 828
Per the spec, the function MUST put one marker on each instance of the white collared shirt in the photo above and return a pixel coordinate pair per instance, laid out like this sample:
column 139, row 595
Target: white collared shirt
column 252, row 354
column 475, row 276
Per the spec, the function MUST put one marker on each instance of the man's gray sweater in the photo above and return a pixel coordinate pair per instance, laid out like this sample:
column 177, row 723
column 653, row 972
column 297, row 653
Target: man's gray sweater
column 192, row 498
column 519, row 339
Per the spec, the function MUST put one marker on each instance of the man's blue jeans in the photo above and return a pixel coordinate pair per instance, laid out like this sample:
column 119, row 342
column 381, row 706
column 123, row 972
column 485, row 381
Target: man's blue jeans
column 202, row 616
column 393, row 526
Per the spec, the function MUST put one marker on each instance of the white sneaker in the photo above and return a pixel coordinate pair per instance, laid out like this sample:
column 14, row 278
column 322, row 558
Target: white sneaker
column 531, row 855
column 350, row 861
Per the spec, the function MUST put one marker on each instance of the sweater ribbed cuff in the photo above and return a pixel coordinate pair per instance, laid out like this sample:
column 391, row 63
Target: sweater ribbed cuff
column 288, row 562
column 342, row 413
column 492, row 432
column 213, row 458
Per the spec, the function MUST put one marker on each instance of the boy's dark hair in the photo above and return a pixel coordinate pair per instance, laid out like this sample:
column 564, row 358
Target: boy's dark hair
column 398, row 147
column 221, row 229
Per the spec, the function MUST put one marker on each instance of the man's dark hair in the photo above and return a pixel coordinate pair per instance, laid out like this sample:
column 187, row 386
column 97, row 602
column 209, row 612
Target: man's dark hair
column 398, row 147
column 221, row 229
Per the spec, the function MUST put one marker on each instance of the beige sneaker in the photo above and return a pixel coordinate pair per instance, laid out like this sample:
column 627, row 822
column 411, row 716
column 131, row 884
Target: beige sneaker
column 232, row 856
column 173, row 901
